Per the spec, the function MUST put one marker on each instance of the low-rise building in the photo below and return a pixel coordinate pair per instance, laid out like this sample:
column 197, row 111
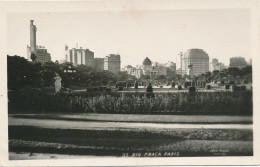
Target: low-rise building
column 79, row 56
column 216, row 65
column 147, row 68
column 42, row 55
column 112, row 63
column 99, row 64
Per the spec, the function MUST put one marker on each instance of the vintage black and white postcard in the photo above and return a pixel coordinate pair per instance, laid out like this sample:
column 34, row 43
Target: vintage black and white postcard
column 129, row 82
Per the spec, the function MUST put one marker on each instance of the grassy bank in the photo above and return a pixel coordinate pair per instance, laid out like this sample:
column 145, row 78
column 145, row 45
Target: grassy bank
column 166, row 148
column 45, row 134
column 234, row 103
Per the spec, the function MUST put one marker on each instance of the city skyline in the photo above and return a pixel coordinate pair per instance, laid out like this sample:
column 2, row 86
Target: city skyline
column 159, row 35
column 129, row 82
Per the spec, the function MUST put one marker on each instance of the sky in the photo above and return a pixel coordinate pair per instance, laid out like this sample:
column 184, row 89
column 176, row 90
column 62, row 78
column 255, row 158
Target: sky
column 158, row 34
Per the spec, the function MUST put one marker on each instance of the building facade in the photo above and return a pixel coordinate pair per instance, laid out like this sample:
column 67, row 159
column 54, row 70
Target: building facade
column 79, row 56
column 112, row 63
column 171, row 66
column 194, row 62
column 137, row 72
column 148, row 68
column 40, row 52
column 42, row 55
column 99, row 64
column 154, row 70
column 238, row 62
column 216, row 65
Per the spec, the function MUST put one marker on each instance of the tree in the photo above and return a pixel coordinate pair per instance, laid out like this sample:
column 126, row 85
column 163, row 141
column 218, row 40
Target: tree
column 83, row 74
column 147, row 62
column 161, row 78
column 33, row 57
column 22, row 73
column 49, row 70
column 207, row 77
column 145, row 77
column 215, row 75
column 171, row 75
column 246, row 73
column 186, row 77
column 122, row 75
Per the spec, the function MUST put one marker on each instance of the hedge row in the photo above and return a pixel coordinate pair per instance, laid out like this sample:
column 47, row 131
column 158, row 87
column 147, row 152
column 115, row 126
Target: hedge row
column 174, row 103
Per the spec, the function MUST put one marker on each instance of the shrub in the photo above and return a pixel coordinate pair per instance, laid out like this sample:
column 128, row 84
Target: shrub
column 186, row 84
column 192, row 89
column 173, row 84
column 208, row 87
column 227, row 86
column 235, row 88
column 243, row 88
column 138, row 103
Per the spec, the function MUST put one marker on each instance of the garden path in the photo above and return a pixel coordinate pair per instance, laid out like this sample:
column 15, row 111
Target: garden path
column 67, row 124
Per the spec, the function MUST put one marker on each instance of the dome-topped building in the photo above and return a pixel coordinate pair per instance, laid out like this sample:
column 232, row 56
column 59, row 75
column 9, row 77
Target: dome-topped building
column 147, row 62
column 194, row 62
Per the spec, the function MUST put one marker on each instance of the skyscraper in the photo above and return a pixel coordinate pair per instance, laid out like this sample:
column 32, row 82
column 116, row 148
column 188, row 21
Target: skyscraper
column 33, row 37
column 40, row 52
column 194, row 62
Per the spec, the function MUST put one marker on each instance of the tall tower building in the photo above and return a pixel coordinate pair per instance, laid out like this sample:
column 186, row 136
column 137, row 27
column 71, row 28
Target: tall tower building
column 195, row 62
column 33, row 37
column 40, row 52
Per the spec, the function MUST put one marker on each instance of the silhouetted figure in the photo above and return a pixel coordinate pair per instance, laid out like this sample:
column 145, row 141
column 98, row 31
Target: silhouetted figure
column 149, row 91
column 173, row 84
column 136, row 85
column 149, row 88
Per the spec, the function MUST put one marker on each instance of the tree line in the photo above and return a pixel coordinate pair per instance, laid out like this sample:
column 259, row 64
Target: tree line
column 22, row 73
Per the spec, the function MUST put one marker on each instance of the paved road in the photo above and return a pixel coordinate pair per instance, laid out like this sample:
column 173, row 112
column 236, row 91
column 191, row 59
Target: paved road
column 65, row 124
column 141, row 118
